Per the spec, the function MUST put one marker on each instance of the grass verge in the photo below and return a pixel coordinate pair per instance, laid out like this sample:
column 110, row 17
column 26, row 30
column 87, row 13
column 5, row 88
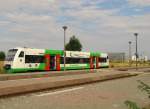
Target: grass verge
column 126, row 64
column 1, row 67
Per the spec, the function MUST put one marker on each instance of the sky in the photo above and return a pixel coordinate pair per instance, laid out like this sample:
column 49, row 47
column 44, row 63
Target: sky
column 101, row 25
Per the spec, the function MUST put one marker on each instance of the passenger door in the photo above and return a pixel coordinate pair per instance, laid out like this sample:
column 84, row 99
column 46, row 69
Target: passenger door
column 52, row 63
column 47, row 62
column 20, row 61
column 92, row 62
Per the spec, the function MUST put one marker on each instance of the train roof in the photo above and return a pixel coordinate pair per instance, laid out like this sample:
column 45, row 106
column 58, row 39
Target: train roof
column 50, row 51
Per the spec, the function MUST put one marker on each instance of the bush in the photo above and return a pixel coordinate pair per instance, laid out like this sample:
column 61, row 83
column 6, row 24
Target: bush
column 144, row 88
column 2, row 56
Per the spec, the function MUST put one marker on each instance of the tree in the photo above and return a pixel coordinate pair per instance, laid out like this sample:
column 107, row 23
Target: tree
column 2, row 56
column 73, row 44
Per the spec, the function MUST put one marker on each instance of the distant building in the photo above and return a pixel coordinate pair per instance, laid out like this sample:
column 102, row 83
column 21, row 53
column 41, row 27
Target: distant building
column 134, row 58
column 116, row 56
column 145, row 58
column 141, row 58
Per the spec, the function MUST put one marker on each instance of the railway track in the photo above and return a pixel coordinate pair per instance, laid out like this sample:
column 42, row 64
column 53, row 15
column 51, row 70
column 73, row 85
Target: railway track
column 16, row 76
column 5, row 77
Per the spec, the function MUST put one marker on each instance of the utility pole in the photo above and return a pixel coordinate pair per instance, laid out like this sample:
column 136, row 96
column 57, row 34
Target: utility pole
column 65, row 28
column 136, row 36
column 130, row 54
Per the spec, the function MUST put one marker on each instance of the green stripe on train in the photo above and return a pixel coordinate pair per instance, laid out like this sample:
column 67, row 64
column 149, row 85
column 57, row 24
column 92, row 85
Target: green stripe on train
column 54, row 52
column 75, row 66
column 17, row 70
column 95, row 53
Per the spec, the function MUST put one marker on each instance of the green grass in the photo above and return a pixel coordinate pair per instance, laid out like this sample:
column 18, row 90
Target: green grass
column 126, row 64
column 1, row 67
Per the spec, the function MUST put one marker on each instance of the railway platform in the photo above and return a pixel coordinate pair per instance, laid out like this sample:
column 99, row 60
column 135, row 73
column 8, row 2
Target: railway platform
column 18, row 86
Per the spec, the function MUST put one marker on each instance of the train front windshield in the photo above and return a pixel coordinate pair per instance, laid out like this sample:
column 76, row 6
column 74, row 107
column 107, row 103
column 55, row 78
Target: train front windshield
column 11, row 54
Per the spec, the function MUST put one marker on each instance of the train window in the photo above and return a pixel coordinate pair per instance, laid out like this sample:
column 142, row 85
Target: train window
column 21, row 54
column 11, row 54
column 62, row 60
column 102, row 59
column 93, row 59
column 13, row 50
column 34, row 59
column 86, row 60
column 75, row 60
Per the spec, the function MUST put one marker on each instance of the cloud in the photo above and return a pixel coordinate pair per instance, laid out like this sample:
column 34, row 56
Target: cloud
column 38, row 24
column 141, row 3
column 4, row 23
